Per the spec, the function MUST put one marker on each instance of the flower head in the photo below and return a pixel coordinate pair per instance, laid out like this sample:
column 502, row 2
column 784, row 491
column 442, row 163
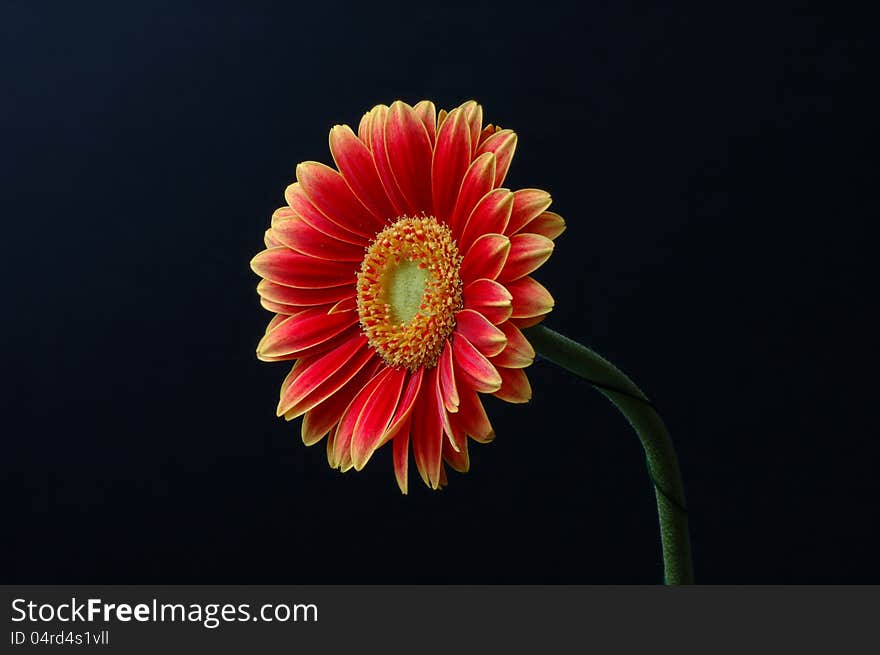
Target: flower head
column 399, row 282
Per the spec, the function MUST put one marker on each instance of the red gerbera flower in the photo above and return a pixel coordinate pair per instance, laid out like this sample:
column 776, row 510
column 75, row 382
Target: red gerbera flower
column 399, row 283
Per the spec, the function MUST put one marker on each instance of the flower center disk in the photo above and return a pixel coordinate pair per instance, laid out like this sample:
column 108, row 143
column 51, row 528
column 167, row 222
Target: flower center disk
column 408, row 291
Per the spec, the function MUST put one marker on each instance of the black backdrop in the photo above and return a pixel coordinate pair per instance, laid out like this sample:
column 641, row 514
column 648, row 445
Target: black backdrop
column 713, row 166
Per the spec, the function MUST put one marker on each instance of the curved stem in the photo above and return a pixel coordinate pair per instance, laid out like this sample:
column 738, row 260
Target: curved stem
column 659, row 452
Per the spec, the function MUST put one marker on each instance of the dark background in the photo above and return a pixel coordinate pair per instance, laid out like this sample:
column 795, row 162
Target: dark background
column 714, row 167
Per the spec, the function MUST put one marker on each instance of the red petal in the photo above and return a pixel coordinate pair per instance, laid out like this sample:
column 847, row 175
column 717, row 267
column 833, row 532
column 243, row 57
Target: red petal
column 473, row 113
column 474, row 327
column 345, row 305
column 348, row 422
column 518, row 353
column 447, row 379
column 327, row 190
column 355, row 161
column 319, row 420
column 485, row 258
column 530, row 298
column 303, row 331
column 299, row 202
column 548, row 224
column 452, row 156
column 444, row 481
column 364, row 127
column 331, row 448
column 503, row 145
column 471, row 417
column 442, row 415
column 283, row 213
column 427, row 113
column 407, row 403
column 295, row 233
column 489, row 298
column 278, row 293
column 278, row 308
column 401, row 456
column 527, row 322
column 457, row 459
column 315, row 378
column 488, row 130
column 473, row 368
column 476, row 184
column 490, row 216
column 284, row 266
column 375, row 417
column 527, row 253
column 427, row 432
column 275, row 321
column 270, row 240
column 409, row 154
column 515, row 386
column 381, row 161
column 527, row 204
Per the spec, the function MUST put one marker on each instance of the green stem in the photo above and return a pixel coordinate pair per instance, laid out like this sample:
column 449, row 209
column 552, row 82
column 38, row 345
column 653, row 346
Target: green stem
column 642, row 415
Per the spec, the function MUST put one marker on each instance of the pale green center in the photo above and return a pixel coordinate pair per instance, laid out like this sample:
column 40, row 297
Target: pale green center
column 405, row 290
